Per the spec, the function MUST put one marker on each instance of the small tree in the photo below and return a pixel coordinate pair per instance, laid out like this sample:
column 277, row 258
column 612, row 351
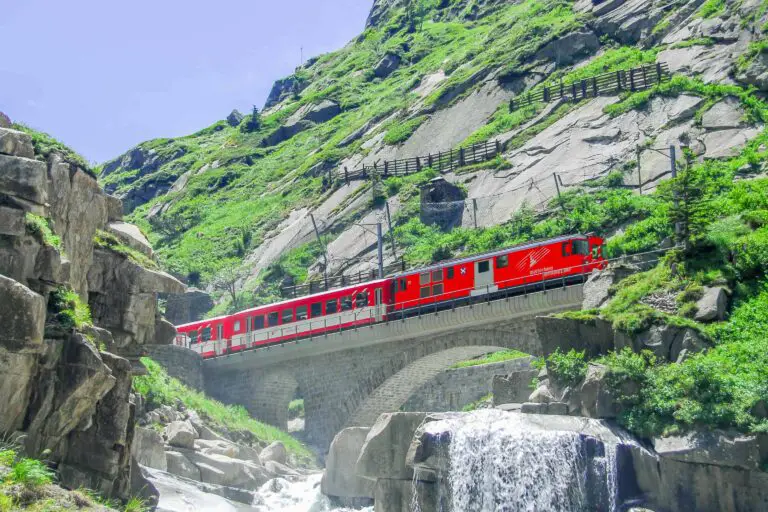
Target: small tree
column 688, row 193
column 228, row 280
column 255, row 119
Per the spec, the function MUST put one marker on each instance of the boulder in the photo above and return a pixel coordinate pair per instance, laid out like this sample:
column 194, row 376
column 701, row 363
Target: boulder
column 713, row 305
column 218, row 447
column 16, row 143
column 322, row 112
column 22, row 315
column 222, row 470
column 234, row 118
column 147, row 448
column 165, row 332
column 279, row 469
column 386, row 446
column 398, row 496
column 131, row 236
column 756, row 73
column 181, row 434
column 542, row 394
column 715, row 448
column 5, row 121
column 723, row 115
column 594, row 396
column 275, row 452
column 387, row 65
column 24, row 179
column 283, row 88
column 512, row 388
column 339, row 478
column 114, row 208
column 566, row 50
column 179, row 465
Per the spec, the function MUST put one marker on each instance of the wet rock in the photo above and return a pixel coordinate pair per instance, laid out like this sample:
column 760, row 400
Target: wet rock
column 180, row 434
column 275, row 452
column 339, row 478
column 386, row 446
column 717, row 448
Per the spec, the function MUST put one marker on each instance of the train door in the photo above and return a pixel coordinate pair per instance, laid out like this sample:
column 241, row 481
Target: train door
column 484, row 277
column 379, row 306
column 248, row 329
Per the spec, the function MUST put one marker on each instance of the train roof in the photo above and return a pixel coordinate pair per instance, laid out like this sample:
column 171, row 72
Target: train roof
column 499, row 252
column 287, row 301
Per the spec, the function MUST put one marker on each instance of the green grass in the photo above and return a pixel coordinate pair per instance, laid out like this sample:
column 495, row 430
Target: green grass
column 476, row 404
column 496, row 357
column 712, row 8
column 111, row 242
column 701, row 41
column 29, row 473
column 69, row 309
column 40, row 227
column 166, row 390
column 400, row 131
column 45, row 145
column 296, row 408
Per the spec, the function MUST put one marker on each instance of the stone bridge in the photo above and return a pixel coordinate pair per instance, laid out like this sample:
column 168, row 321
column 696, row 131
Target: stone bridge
column 349, row 378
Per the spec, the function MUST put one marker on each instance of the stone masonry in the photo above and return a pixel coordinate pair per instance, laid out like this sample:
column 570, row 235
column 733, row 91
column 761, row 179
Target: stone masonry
column 179, row 362
column 335, row 384
column 454, row 388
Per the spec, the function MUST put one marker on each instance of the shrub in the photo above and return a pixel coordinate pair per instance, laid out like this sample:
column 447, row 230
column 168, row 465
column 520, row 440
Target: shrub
column 7, row 503
column 136, row 505
column 567, row 369
column 112, row 243
column 40, row 228
column 296, row 408
column 71, row 312
column 7, row 457
column 30, row 473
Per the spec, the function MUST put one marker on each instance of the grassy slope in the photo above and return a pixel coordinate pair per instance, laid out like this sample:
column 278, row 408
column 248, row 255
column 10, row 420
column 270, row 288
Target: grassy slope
column 166, row 390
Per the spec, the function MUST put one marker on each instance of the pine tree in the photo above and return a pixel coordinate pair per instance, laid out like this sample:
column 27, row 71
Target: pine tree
column 255, row 122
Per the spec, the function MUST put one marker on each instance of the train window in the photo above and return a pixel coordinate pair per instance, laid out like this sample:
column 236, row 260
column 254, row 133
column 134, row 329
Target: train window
column 437, row 275
column 287, row 316
column 361, row 301
column 219, row 332
column 331, row 307
column 206, row 334
column 346, row 303
column 403, row 284
column 258, row 322
column 424, row 292
column 596, row 252
column 378, row 296
column 566, row 248
column 424, row 278
column 483, row 266
column 437, row 289
column 581, row 247
column 449, row 273
column 193, row 336
column 301, row 313
column 237, row 326
column 316, row 309
column 502, row 261
column 272, row 318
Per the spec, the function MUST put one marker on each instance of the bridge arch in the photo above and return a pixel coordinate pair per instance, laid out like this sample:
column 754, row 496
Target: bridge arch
column 396, row 390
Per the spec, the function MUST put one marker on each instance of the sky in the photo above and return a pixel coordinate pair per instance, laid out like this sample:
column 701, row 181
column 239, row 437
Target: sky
column 105, row 75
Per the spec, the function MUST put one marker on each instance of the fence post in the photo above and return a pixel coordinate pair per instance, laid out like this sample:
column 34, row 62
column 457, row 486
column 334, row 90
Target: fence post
column 485, row 151
column 562, row 90
column 618, row 81
column 461, row 157
column 658, row 72
column 498, row 147
column 594, row 86
column 512, row 104
column 546, row 95
column 583, row 88
column 632, row 80
column 386, row 168
column 573, row 92
column 406, row 166
column 645, row 77
column 450, row 158
column 418, row 163
column 429, row 160
column 346, row 176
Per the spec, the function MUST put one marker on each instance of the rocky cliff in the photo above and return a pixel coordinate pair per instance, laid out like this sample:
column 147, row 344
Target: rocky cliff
column 79, row 294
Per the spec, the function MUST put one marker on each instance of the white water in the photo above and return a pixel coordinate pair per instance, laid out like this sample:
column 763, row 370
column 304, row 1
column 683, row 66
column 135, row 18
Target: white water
column 304, row 495
column 496, row 465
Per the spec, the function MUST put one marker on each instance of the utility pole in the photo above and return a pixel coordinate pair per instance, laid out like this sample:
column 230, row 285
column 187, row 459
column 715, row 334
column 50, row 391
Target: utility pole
column 474, row 210
column 559, row 197
column 391, row 231
column 380, row 243
column 639, row 175
column 325, row 256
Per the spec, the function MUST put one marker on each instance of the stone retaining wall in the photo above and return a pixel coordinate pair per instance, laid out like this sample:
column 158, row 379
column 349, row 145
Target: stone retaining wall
column 181, row 363
column 455, row 388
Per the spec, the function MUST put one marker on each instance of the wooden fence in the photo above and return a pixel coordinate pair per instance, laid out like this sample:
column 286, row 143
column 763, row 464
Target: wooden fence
column 635, row 79
column 441, row 162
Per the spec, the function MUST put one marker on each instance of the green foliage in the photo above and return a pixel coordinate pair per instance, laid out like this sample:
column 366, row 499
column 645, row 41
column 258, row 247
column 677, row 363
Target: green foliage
column 70, row 310
column 582, row 315
column 45, row 145
column 112, row 243
column 401, row 131
column 567, row 368
column 296, row 408
column 160, row 388
column 7, row 503
column 496, row 357
column 40, row 228
column 135, row 505
column 701, row 41
column 478, row 403
column 752, row 52
column 712, row 8
column 7, row 457
column 29, row 473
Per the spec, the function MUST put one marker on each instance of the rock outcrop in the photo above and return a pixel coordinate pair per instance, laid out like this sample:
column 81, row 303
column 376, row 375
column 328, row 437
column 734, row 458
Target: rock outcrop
column 64, row 380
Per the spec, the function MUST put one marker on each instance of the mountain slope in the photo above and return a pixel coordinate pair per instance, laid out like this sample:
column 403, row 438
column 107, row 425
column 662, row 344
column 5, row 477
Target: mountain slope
column 428, row 78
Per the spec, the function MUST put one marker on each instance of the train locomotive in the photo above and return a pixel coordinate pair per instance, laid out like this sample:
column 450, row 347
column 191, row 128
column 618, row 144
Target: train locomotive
column 512, row 270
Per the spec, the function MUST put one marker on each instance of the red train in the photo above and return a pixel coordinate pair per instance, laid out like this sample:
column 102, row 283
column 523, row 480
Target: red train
column 446, row 284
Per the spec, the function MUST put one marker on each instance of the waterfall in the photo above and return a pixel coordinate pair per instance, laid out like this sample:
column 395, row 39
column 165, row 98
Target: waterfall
column 300, row 495
column 498, row 462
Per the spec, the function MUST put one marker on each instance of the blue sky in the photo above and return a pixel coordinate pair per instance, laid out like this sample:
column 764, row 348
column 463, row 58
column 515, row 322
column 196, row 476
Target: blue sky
column 103, row 76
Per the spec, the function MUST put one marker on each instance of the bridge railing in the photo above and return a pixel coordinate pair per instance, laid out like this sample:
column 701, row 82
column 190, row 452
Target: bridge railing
column 326, row 325
column 324, row 284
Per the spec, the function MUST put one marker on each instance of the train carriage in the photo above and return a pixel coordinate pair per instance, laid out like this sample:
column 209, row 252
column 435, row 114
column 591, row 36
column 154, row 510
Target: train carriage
column 509, row 270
